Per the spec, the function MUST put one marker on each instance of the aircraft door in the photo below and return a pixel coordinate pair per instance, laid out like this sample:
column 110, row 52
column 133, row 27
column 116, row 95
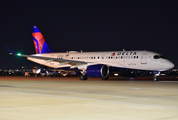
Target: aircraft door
column 144, row 58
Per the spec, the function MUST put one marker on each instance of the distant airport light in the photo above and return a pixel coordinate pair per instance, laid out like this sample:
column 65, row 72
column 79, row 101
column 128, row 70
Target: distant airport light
column 116, row 74
column 19, row 54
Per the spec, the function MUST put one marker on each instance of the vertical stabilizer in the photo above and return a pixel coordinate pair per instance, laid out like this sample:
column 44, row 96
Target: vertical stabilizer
column 39, row 42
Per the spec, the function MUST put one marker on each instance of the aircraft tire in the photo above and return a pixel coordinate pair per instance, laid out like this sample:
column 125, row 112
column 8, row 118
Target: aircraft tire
column 156, row 79
column 83, row 77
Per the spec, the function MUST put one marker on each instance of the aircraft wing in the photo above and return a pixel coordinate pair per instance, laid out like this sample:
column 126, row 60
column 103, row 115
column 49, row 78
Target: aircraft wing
column 71, row 62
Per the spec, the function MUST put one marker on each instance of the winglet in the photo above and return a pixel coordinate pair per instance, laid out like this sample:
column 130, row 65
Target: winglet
column 11, row 52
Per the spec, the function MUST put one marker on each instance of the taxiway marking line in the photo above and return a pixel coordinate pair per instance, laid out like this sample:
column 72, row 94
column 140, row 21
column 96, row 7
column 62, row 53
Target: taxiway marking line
column 131, row 97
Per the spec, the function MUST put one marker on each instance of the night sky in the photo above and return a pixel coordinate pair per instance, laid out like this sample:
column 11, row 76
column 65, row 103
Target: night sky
column 87, row 25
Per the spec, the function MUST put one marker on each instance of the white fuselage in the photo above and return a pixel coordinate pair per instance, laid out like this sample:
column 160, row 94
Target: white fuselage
column 140, row 60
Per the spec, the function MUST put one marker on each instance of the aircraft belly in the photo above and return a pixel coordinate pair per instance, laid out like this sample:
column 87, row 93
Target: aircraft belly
column 143, row 66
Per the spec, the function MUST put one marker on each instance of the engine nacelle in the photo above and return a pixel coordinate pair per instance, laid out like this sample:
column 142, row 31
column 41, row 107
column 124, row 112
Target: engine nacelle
column 98, row 71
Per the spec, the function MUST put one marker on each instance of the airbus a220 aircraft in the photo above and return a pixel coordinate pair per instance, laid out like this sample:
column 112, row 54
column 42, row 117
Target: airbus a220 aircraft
column 97, row 64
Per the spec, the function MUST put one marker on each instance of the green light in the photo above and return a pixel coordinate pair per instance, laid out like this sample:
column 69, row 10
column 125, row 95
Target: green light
column 19, row 54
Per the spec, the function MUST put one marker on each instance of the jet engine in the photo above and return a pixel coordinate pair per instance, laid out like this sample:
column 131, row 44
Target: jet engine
column 98, row 71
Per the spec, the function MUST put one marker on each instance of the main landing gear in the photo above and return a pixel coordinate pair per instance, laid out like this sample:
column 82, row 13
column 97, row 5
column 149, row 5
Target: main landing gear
column 83, row 76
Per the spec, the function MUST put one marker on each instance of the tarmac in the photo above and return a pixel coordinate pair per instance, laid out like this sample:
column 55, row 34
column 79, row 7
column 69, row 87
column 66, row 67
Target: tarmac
column 68, row 98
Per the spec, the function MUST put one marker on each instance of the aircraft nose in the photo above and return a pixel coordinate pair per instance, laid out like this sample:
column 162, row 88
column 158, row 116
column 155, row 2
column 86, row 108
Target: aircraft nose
column 169, row 65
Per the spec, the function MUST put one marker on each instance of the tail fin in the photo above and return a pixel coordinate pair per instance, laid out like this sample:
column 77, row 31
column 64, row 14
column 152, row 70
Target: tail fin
column 39, row 42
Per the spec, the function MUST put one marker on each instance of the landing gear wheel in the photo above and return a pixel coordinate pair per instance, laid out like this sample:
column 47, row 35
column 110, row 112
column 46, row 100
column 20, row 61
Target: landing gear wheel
column 83, row 77
column 156, row 73
column 155, row 79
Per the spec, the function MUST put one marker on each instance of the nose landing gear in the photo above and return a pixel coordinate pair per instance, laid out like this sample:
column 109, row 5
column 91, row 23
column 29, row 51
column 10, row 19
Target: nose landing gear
column 155, row 76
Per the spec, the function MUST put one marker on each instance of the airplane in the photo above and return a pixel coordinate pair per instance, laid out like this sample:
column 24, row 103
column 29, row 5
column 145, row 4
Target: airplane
column 97, row 64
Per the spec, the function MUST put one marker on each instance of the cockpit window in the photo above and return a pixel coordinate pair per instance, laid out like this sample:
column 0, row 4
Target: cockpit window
column 162, row 57
column 158, row 57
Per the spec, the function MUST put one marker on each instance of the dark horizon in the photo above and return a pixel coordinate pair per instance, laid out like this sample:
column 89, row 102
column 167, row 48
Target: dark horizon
column 89, row 26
